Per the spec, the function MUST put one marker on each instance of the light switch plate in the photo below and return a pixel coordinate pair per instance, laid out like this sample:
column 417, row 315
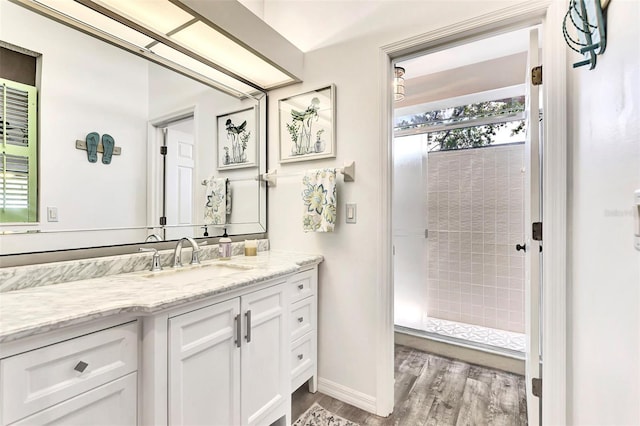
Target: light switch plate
column 350, row 213
column 52, row 214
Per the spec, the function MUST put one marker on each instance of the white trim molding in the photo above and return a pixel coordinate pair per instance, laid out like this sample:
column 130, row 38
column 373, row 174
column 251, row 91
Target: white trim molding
column 554, row 216
column 548, row 13
column 348, row 395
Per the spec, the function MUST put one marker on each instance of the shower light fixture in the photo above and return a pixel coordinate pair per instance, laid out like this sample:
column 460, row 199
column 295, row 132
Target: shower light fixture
column 398, row 84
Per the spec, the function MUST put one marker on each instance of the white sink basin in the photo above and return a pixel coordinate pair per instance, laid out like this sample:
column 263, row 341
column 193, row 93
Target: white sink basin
column 194, row 273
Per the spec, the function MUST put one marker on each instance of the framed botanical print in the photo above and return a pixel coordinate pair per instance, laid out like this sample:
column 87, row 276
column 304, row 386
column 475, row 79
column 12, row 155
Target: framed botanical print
column 237, row 139
column 307, row 125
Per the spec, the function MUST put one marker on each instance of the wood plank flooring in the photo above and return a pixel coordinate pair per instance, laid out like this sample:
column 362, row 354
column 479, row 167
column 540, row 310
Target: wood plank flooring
column 435, row 391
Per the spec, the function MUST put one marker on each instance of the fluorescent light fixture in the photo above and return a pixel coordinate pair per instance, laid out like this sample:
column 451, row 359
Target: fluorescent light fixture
column 83, row 15
column 208, row 42
column 225, row 81
column 159, row 15
column 163, row 28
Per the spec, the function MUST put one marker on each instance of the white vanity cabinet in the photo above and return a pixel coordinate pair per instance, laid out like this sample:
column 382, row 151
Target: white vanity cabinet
column 303, row 306
column 228, row 362
column 80, row 379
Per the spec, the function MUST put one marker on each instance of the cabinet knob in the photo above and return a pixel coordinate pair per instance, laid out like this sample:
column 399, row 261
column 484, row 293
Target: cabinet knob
column 81, row 366
column 300, row 319
column 300, row 286
column 300, row 356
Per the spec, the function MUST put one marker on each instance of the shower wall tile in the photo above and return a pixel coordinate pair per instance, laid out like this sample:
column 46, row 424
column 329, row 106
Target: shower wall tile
column 475, row 205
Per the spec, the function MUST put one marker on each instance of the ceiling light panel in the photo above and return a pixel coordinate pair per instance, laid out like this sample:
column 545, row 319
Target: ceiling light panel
column 159, row 15
column 209, row 43
column 204, row 70
column 84, row 15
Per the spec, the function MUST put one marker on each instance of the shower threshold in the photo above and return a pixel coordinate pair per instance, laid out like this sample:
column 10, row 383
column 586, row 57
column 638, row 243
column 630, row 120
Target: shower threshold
column 487, row 339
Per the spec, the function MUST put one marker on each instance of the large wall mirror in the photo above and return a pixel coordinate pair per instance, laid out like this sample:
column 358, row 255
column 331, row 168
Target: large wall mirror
column 206, row 183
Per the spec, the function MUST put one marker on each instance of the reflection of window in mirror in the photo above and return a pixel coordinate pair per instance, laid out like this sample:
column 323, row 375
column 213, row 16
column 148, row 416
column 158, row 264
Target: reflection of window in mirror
column 18, row 137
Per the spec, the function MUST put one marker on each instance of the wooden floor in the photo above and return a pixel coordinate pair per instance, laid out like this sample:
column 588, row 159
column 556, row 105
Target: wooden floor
column 432, row 390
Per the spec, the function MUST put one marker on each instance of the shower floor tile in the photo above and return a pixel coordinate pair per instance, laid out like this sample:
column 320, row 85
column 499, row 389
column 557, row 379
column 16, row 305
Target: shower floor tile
column 477, row 333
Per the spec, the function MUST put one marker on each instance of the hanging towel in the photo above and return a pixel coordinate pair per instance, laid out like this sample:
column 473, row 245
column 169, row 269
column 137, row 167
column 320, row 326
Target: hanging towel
column 228, row 195
column 320, row 200
column 215, row 209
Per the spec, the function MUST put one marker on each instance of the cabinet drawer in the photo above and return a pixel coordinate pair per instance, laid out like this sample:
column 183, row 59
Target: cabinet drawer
column 303, row 359
column 303, row 284
column 113, row 404
column 35, row 380
column 302, row 317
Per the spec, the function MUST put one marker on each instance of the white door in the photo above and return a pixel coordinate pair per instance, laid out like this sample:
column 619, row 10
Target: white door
column 180, row 165
column 265, row 350
column 531, row 215
column 111, row 404
column 409, row 224
column 204, row 366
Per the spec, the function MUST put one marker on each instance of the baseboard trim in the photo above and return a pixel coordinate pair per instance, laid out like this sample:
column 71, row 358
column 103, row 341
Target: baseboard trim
column 348, row 395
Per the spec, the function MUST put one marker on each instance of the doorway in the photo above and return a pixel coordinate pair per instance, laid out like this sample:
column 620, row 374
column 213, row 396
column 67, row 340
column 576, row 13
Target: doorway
column 466, row 180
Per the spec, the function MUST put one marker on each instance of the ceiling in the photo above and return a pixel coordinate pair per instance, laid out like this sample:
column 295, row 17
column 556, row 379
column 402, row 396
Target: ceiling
column 312, row 24
column 466, row 54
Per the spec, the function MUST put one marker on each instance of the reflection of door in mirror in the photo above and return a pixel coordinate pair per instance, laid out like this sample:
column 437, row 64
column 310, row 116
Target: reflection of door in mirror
column 180, row 171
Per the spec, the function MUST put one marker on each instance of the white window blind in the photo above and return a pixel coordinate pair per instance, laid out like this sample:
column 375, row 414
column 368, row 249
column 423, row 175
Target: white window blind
column 18, row 171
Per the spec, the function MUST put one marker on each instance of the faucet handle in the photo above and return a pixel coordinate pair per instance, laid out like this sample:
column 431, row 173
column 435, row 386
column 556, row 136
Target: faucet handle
column 195, row 254
column 155, row 265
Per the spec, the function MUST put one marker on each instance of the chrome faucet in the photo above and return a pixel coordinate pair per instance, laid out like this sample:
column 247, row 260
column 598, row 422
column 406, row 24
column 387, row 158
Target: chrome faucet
column 155, row 264
column 177, row 253
column 153, row 237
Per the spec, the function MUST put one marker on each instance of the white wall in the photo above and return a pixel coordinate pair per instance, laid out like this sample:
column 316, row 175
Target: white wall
column 604, row 296
column 349, row 281
column 86, row 85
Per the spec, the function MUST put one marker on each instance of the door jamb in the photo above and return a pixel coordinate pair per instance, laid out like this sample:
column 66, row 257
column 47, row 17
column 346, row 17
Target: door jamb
column 554, row 373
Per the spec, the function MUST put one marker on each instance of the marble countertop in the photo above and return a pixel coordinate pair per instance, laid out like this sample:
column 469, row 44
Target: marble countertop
column 40, row 309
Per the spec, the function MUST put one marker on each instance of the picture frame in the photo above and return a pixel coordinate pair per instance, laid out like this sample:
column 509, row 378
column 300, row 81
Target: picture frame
column 307, row 125
column 237, row 133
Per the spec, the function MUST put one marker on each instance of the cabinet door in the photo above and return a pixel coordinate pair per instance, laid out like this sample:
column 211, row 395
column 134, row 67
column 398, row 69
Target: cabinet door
column 264, row 356
column 112, row 404
column 204, row 366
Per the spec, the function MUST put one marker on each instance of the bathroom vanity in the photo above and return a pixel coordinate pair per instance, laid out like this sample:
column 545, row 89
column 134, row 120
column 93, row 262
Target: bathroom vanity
column 224, row 342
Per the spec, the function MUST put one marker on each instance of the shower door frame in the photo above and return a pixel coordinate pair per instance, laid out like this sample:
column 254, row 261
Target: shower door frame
column 549, row 14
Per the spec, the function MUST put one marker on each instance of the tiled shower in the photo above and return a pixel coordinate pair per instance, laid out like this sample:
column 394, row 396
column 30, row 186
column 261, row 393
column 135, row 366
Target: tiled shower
column 462, row 277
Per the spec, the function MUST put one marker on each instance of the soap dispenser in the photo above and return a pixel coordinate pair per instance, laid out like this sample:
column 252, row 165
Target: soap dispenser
column 224, row 246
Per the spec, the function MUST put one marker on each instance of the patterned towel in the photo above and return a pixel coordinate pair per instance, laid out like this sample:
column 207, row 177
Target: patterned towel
column 215, row 210
column 320, row 200
column 228, row 195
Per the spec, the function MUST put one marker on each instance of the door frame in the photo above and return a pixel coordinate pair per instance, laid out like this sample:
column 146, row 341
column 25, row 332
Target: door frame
column 549, row 13
column 155, row 139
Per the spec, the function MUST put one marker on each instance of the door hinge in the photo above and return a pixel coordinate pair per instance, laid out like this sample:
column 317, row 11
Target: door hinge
column 426, row 233
column 536, row 75
column 163, row 150
column 536, row 231
column 536, row 387
column 163, row 220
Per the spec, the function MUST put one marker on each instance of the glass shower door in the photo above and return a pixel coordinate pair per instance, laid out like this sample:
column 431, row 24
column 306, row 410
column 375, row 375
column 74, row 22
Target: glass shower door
column 409, row 230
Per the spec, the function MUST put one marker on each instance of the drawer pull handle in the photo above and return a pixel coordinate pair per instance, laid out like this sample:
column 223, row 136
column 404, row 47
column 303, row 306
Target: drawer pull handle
column 248, row 317
column 300, row 319
column 81, row 366
column 300, row 286
column 238, row 337
column 300, row 356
